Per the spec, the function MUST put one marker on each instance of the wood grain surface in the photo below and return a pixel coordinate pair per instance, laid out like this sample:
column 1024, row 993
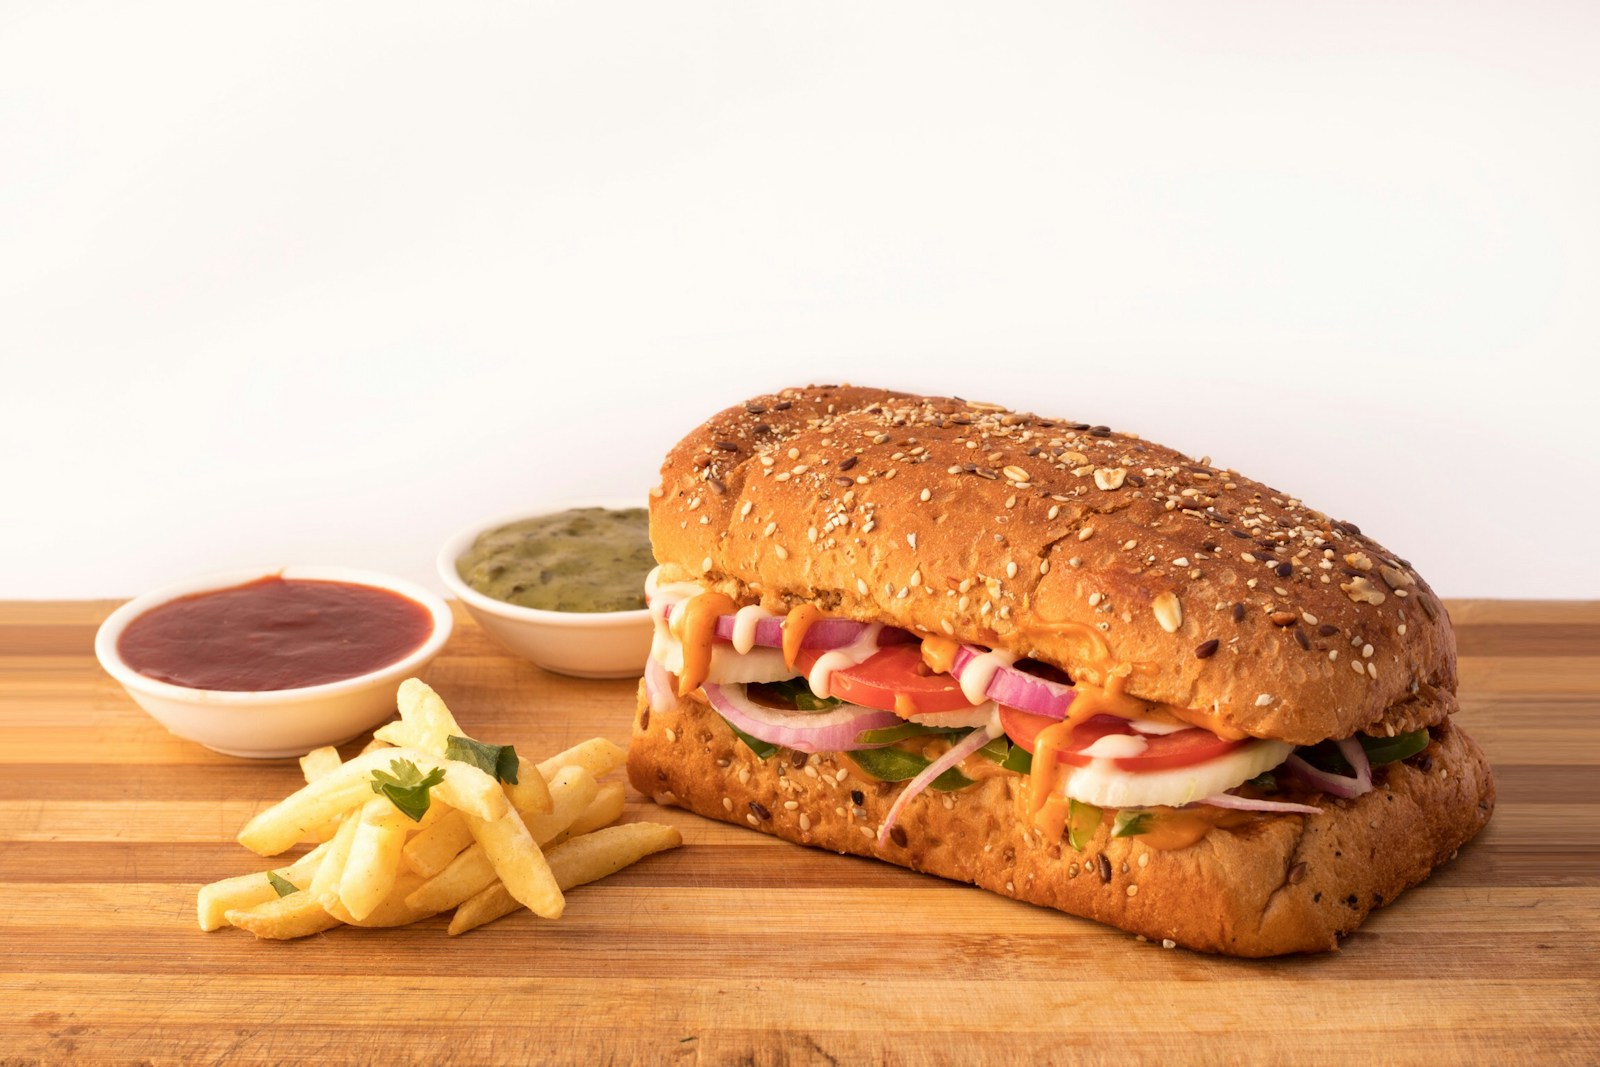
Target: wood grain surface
column 738, row 948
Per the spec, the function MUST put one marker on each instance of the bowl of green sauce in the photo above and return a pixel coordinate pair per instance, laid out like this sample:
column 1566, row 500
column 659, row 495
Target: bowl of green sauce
column 562, row 586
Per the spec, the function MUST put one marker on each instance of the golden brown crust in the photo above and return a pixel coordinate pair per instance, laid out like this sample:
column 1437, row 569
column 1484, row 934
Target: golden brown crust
column 945, row 516
column 1282, row 883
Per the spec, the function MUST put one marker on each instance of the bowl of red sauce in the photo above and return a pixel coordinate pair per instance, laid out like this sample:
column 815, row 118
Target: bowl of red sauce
column 273, row 664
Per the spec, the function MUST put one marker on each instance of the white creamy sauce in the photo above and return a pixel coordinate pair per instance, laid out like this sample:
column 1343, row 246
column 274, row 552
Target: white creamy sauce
column 1155, row 729
column 857, row 651
column 1116, row 746
column 979, row 673
column 745, row 621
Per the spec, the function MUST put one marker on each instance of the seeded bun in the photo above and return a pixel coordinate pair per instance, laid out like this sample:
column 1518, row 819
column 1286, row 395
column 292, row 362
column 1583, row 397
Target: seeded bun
column 1014, row 531
column 1278, row 884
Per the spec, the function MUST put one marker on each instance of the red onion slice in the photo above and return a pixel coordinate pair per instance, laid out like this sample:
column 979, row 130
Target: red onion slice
column 1228, row 800
column 958, row 752
column 803, row 731
column 823, row 634
column 1334, row 784
column 1018, row 689
column 1356, row 756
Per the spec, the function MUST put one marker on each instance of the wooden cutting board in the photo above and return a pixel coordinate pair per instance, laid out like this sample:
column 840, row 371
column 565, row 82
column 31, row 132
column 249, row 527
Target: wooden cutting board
column 741, row 948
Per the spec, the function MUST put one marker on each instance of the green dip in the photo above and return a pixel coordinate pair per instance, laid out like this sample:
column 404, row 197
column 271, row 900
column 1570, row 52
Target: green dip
column 587, row 559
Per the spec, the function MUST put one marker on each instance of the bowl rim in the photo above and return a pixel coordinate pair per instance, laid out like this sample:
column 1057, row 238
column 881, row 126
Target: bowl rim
column 458, row 543
column 106, row 637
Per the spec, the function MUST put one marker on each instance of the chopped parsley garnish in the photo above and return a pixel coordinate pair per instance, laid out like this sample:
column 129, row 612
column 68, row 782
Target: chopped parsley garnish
column 281, row 885
column 498, row 761
column 407, row 787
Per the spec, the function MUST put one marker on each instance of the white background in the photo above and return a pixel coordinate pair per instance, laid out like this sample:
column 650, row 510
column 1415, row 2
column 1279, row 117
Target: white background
column 323, row 282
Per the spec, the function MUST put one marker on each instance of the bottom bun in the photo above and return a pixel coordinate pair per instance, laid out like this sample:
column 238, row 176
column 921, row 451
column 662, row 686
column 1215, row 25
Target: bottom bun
column 1276, row 884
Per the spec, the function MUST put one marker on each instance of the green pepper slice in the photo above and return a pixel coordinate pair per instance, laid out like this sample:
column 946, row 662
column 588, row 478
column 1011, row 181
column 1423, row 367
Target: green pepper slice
column 898, row 765
column 759, row 747
column 1389, row 749
column 1082, row 821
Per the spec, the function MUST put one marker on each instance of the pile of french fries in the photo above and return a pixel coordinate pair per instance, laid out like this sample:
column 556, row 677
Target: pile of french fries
column 484, row 847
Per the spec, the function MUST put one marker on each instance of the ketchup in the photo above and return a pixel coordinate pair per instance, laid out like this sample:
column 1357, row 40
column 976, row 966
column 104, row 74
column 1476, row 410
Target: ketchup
column 274, row 633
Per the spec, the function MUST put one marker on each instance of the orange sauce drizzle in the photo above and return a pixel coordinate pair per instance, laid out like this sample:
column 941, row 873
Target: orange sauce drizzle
column 696, row 629
column 1052, row 818
column 939, row 653
column 1174, row 828
column 1040, row 789
column 795, row 625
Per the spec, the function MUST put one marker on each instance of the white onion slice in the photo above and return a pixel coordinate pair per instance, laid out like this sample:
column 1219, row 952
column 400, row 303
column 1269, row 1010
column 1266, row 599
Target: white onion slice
column 658, row 686
column 958, row 752
column 1017, row 689
column 804, row 731
column 1228, row 800
column 1105, row 785
column 960, row 717
column 727, row 667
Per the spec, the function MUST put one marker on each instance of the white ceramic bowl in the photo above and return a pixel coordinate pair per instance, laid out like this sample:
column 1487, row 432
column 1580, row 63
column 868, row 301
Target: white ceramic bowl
column 282, row 722
column 599, row 644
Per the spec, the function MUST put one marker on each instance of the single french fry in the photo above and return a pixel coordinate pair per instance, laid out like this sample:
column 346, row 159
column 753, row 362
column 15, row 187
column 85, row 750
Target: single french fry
column 325, row 883
column 597, row 756
column 571, row 792
column 401, row 734
column 464, row 876
column 319, row 762
column 280, row 826
column 392, row 911
column 577, row 862
column 489, row 905
column 518, row 862
column 585, row 859
column 377, row 744
column 374, row 859
column 295, row 915
column 426, row 713
column 529, row 794
column 214, row 901
column 605, row 809
column 432, row 847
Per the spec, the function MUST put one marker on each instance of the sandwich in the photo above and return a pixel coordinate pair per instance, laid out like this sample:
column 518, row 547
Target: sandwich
column 1057, row 661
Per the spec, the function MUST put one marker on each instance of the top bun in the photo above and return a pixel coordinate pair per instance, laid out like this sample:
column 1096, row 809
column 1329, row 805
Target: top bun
column 1014, row 531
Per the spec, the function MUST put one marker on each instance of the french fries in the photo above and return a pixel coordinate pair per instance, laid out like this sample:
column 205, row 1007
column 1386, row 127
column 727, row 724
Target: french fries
column 431, row 848
column 574, row 863
column 597, row 756
column 414, row 826
column 374, row 860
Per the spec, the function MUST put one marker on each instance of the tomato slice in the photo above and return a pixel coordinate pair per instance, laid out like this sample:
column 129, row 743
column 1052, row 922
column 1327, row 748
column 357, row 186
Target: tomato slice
column 892, row 679
column 1162, row 751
